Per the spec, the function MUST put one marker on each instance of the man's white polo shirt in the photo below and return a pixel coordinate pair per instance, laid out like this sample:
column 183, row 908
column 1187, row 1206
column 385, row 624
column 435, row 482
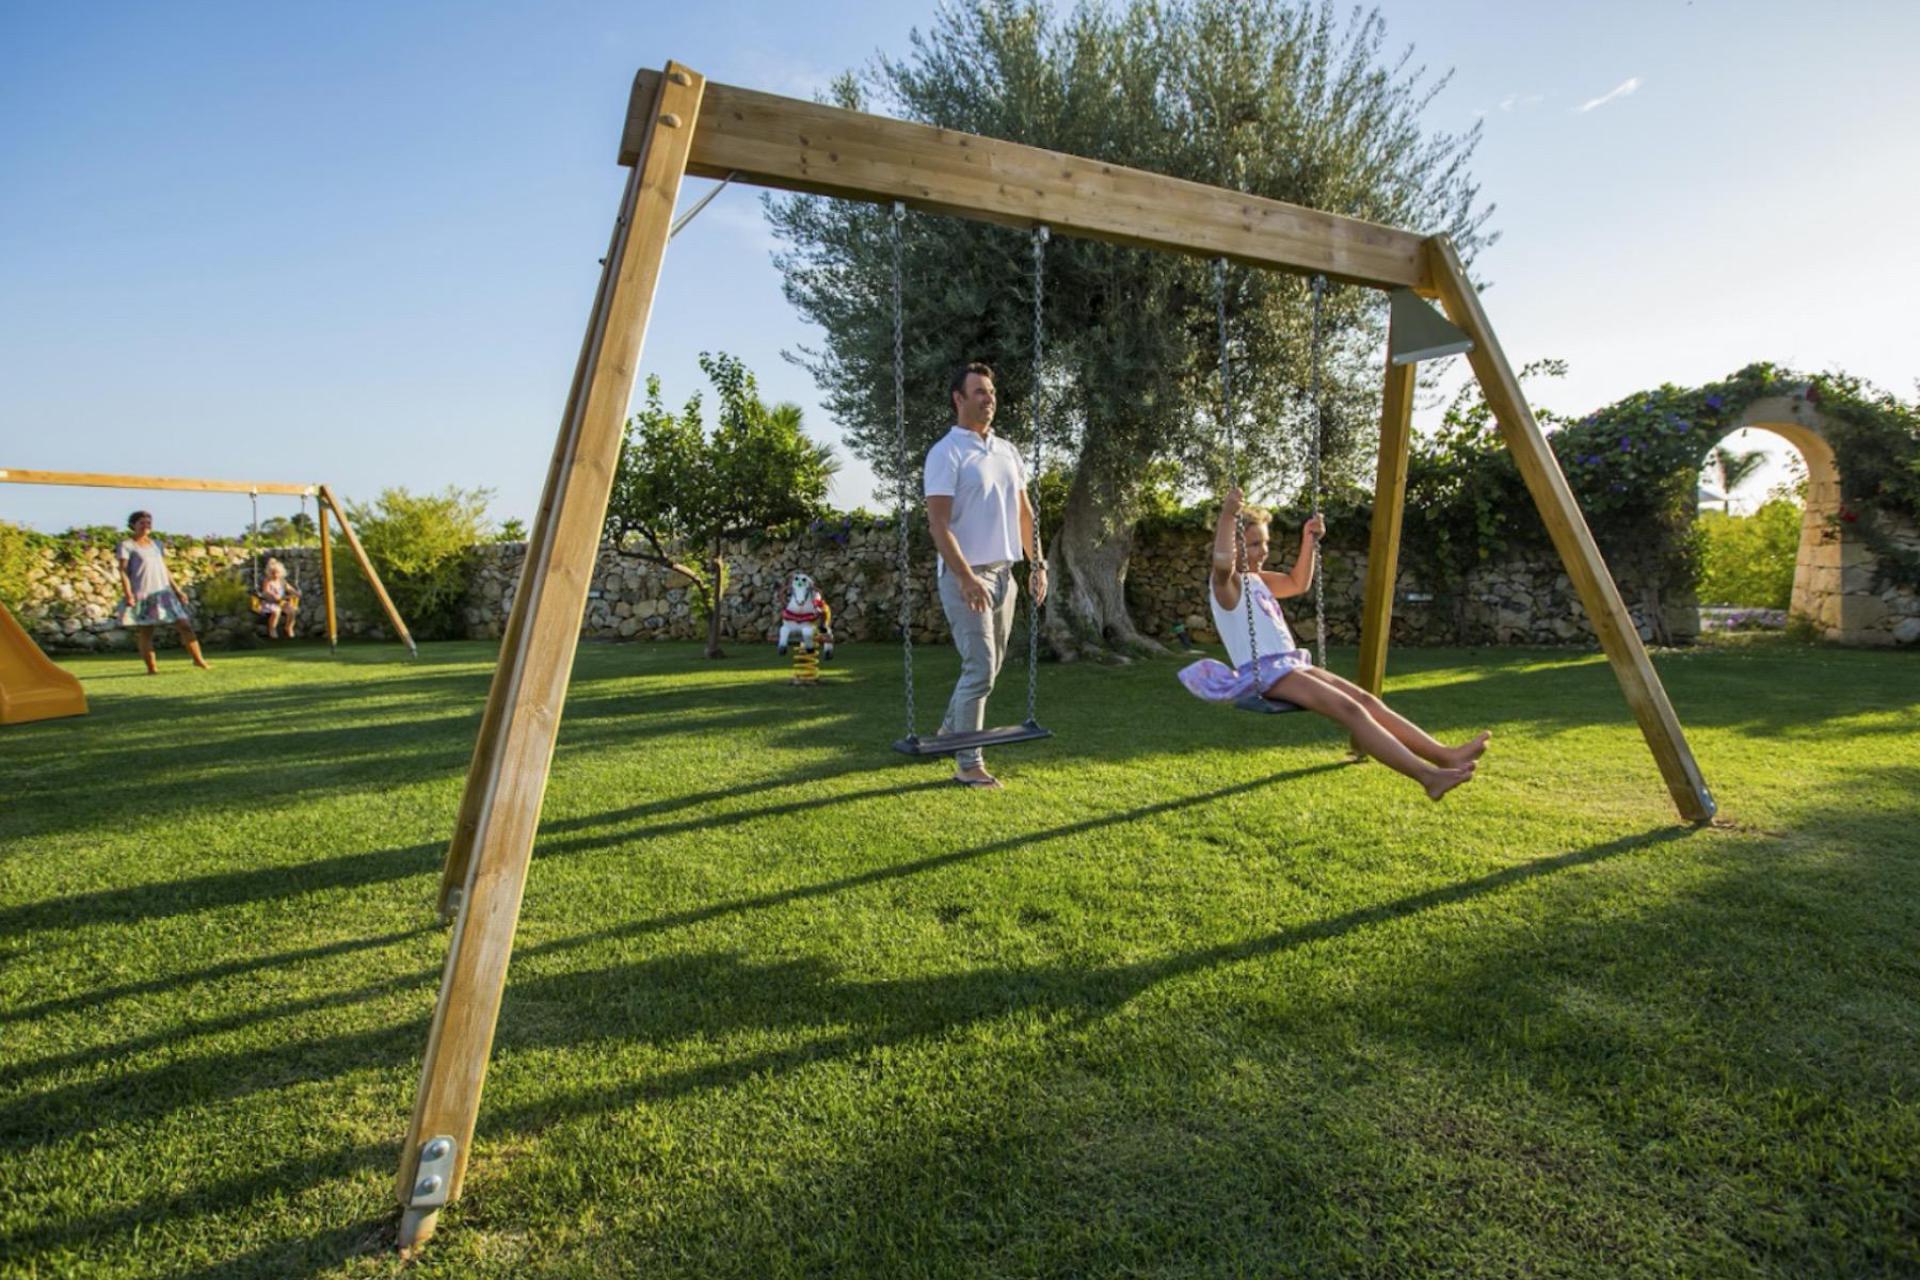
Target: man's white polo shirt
column 984, row 475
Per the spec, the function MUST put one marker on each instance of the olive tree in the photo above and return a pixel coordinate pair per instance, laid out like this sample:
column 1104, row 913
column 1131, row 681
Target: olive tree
column 1283, row 100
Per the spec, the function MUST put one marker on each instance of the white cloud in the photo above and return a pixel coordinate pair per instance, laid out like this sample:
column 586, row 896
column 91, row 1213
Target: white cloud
column 1518, row 101
column 1620, row 90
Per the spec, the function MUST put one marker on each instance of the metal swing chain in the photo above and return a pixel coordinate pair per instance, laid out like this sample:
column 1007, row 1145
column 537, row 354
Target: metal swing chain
column 900, row 430
column 1035, row 615
column 253, row 539
column 1233, row 463
column 301, row 531
column 1313, row 504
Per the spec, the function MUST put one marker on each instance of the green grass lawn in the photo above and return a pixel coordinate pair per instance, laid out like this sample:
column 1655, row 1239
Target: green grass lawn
column 1190, row 997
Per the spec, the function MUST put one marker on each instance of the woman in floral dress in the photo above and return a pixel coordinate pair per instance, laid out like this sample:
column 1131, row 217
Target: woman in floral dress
column 150, row 597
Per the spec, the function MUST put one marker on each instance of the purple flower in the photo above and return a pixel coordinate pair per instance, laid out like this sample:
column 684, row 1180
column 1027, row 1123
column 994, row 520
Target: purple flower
column 1714, row 403
column 1626, row 445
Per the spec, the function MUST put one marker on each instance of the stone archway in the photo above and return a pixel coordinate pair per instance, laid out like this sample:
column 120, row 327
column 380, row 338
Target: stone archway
column 1833, row 573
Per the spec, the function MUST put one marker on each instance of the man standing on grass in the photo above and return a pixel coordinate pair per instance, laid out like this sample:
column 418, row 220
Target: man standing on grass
column 982, row 523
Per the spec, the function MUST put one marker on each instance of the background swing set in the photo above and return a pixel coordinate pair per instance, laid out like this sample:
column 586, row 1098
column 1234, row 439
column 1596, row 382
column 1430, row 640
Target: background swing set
column 326, row 502
column 678, row 124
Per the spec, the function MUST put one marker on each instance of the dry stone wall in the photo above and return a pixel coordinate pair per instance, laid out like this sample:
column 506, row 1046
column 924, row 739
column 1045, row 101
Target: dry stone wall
column 73, row 600
column 1521, row 599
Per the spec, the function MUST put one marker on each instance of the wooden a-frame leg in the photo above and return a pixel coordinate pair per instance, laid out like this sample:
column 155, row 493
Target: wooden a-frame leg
column 366, row 567
column 326, row 579
column 1383, row 544
column 530, row 684
column 1572, row 539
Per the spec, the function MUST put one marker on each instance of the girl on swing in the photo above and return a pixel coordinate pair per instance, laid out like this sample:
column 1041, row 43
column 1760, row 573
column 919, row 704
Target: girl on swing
column 279, row 600
column 1286, row 674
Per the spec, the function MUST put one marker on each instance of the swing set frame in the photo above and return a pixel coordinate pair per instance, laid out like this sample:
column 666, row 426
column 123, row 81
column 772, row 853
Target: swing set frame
column 325, row 502
column 679, row 124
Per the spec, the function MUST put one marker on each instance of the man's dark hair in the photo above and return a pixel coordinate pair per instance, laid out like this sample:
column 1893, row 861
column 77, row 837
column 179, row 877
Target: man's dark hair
column 959, row 382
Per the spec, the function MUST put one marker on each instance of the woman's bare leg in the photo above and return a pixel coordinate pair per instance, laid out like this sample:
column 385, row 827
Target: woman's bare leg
column 143, row 637
column 1409, row 734
column 192, row 644
column 1336, row 704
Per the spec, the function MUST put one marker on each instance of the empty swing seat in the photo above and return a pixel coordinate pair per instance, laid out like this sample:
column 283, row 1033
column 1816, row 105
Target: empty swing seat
column 946, row 744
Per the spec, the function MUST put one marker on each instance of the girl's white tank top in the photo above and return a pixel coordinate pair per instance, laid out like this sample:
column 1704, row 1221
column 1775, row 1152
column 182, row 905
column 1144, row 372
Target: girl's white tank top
column 1269, row 625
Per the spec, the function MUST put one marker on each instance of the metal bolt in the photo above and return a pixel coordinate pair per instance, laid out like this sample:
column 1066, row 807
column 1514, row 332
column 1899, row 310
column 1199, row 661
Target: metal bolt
column 681, row 77
column 428, row 1186
column 438, row 1149
column 670, row 120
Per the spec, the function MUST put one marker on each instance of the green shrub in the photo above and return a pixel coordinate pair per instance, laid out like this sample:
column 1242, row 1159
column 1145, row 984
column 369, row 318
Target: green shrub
column 224, row 594
column 1748, row 560
column 423, row 548
column 18, row 550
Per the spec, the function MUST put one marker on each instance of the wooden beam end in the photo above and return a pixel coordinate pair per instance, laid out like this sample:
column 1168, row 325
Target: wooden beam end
column 640, row 100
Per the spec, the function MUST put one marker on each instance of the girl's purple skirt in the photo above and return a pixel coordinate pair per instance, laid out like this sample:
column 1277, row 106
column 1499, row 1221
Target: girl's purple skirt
column 1218, row 682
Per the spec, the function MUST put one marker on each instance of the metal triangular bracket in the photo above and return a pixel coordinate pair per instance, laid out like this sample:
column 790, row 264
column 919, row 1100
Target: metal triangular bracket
column 1415, row 331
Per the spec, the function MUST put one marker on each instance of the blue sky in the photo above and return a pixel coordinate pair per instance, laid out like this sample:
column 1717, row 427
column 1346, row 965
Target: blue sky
column 356, row 242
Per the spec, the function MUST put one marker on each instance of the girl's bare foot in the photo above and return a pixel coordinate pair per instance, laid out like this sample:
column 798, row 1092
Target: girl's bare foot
column 1466, row 754
column 1442, row 781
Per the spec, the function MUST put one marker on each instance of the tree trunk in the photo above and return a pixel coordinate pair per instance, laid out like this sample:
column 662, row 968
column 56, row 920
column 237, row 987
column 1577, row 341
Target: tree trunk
column 1087, row 564
column 715, row 592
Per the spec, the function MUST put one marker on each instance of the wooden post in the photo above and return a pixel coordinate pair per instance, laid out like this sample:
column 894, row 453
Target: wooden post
column 530, row 683
column 366, row 567
column 1389, row 506
column 326, row 581
column 1573, row 540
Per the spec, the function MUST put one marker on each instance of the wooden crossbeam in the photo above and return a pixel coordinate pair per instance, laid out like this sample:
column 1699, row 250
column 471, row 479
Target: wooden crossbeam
column 99, row 480
column 771, row 141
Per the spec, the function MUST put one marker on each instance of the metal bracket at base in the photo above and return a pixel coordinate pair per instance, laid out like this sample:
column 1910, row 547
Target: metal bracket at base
column 455, row 899
column 433, row 1179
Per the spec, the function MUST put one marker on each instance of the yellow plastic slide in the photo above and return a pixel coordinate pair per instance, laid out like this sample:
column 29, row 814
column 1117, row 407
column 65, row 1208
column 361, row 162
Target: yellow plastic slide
column 31, row 687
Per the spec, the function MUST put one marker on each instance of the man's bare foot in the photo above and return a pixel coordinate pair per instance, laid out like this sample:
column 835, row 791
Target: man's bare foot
column 976, row 777
column 1444, row 780
column 1466, row 754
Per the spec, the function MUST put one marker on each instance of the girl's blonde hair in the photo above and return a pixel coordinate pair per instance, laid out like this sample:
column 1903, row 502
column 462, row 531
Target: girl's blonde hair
column 1251, row 516
column 275, row 568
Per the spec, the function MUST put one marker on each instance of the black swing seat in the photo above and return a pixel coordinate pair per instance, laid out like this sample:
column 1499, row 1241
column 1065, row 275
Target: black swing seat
column 946, row 744
column 1260, row 702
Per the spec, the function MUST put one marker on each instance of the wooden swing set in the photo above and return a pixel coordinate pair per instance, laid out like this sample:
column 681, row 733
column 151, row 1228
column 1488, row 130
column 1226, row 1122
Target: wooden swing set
column 678, row 124
column 323, row 496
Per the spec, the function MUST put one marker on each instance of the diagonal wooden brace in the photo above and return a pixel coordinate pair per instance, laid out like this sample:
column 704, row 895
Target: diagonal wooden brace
column 508, row 777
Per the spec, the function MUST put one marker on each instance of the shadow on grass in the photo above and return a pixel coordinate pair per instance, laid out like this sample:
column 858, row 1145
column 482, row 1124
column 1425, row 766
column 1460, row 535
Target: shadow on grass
column 662, row 1001
column 199, row 1080
column 164, row 898
column 708, row 997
